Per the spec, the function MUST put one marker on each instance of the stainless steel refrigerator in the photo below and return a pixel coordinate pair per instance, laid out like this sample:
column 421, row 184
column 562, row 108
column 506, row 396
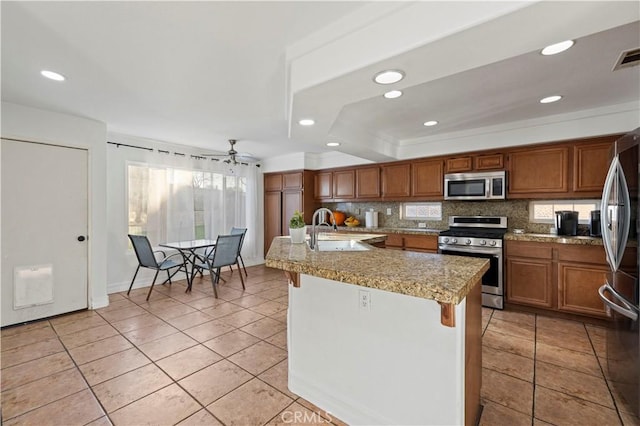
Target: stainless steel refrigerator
column 620, row 226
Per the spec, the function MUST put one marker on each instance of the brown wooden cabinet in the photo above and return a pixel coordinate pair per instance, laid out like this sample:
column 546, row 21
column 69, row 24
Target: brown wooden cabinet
column 459, row 164
column 396, row 181
column 489, row 162
column 368, row 182
column 427, row 179
column 538, row 171
column 344, row 184
column 559, row 277
column 284, row 194
column 412, row 242
column 529, row 279
column 590, row 165
column 323, row 185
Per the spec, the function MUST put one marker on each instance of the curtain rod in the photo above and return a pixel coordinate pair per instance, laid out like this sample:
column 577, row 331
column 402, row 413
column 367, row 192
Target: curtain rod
column 197, row 157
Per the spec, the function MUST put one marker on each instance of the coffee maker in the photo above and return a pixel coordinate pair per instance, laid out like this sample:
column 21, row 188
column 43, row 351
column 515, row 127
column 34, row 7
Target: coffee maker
column 567, row 222
column 594, row 224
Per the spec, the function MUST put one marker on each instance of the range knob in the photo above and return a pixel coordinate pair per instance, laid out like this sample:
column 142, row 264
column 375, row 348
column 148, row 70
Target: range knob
column 454, row 240
column 493, row 243
column 445, row 240
column 483, row 243
column 468, row 242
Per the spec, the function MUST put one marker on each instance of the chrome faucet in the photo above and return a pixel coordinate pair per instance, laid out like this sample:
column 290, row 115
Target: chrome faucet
column 313, row 241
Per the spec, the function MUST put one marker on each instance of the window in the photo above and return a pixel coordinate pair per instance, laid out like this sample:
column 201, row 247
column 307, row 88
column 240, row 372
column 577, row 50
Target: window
column 421, row 211
column 168, row 204
column 544, row 211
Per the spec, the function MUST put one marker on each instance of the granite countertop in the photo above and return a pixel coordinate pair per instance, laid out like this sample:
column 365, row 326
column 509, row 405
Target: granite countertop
column 415, row 231
column 443, row 278
column 558, row 239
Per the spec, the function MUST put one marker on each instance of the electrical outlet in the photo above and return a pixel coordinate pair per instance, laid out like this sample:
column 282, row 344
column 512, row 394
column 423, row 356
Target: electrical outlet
column 422, row 224
column 389, row 211
column 364, row 300
column 357, row 211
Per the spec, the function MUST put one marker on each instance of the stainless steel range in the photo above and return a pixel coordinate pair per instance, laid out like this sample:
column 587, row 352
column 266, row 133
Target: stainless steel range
column 479, row 236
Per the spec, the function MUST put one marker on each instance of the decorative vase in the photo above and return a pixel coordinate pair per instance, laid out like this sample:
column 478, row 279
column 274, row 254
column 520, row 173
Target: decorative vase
column 298, row 235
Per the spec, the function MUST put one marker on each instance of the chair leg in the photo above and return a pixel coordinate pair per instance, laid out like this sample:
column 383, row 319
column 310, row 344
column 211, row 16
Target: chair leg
column 240, row 273
column 243, row 267
column 134, row 278
column 152, row 284
column 215, row 275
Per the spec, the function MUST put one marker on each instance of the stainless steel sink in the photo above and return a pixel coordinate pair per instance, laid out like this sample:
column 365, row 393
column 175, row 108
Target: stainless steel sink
column 345, row 245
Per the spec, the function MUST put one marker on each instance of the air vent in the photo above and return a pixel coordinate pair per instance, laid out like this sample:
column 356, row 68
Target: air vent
column 628, row 59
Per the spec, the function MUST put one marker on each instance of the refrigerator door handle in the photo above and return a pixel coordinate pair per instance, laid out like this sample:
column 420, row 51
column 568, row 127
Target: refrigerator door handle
column 615, row 226
column 626, row 309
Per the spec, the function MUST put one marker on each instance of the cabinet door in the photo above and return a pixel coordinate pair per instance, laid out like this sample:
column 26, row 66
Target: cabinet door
column 273, row 182
column 460, row 164
column 427, row 179
column 423, row 243
column 323, row 185
column 394, row 241
column 292, row 180
column 590, row 165
column 578, row 285
column 368, row 182
column 540, row 171
column 291, row 201
column 396, row 180
column 489, row 162
column 344, row 184
column 529, row 282
column 272, row 218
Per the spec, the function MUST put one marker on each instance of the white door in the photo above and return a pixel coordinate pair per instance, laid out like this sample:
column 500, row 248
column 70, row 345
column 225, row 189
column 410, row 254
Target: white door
column 44, row 218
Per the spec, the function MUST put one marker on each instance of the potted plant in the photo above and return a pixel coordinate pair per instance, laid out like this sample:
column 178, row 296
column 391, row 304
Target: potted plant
column 297, row 228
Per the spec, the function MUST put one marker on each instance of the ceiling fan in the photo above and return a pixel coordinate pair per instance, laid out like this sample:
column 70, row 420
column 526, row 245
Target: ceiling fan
column 232, row 156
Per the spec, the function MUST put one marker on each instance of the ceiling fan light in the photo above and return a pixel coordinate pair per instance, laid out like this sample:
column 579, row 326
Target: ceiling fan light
column 556, row 48
column 388, row 76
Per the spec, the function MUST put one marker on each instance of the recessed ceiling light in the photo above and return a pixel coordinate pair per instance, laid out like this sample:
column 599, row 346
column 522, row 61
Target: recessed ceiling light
column 333, row 143
column 550, row 99
column 388, row 77
column 557, row 48
column 430, row 123
column 52, row 75
column 306, row 122
column 392, row 94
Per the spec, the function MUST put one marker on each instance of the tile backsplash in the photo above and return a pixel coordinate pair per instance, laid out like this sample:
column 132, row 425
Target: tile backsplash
column 517, row 212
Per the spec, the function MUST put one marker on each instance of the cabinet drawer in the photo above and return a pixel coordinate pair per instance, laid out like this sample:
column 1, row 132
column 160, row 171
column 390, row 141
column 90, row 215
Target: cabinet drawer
column 421, row 242
column 394, row 240
column 533, row 250
column 583, row 254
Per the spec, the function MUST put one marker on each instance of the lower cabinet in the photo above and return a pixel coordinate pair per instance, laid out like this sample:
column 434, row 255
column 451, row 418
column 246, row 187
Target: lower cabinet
column 559, row 277
column 412, row 242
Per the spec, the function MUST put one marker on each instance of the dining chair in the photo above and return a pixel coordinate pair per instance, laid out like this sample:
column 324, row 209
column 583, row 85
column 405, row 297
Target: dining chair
column 243, row 232
column 147, row 259
column 225, row 254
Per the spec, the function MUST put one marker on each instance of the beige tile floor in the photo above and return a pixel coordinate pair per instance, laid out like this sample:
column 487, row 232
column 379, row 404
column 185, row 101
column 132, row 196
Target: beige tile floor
column 190, row 359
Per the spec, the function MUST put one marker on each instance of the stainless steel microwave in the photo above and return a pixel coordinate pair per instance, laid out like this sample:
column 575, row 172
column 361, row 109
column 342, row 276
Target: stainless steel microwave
column 475, row 186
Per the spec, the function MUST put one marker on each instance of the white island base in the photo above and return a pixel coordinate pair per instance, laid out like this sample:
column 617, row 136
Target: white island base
column 392, row 362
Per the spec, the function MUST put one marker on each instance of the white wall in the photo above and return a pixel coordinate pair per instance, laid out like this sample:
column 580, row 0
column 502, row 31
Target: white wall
column 37, row 125
column 122, row 260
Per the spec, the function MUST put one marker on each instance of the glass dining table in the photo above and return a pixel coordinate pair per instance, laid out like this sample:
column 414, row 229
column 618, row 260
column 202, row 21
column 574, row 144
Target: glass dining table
column 188, row 250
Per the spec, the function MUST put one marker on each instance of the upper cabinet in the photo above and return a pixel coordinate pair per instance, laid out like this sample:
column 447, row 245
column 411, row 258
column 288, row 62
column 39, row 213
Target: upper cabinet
column 427, row 179
column 368, row 182
column 459, row 164
column 471, row 163
column 396, row 181
column 540, row 170
column 489, row 162
column 344, row 184
column 323, row 185
column 273, row 182
column 292, row 181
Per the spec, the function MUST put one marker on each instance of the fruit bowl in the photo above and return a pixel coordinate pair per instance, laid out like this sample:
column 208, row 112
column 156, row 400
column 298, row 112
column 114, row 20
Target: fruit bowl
column 352, row 224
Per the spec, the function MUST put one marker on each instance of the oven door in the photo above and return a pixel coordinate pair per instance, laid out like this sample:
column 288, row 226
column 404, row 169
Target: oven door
column 492, row 279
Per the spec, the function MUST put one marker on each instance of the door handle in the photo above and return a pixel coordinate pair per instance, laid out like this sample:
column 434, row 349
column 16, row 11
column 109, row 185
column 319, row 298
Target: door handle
column 625, row 310
column 81, row 238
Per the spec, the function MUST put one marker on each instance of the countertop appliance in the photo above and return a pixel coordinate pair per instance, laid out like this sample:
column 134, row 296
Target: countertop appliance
column 594, row 224
column 475, row 186
column 479, row 236
column 619, row 221
column 567, row 222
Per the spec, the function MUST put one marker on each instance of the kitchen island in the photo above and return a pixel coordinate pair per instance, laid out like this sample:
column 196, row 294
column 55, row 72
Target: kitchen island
column 383, row 336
